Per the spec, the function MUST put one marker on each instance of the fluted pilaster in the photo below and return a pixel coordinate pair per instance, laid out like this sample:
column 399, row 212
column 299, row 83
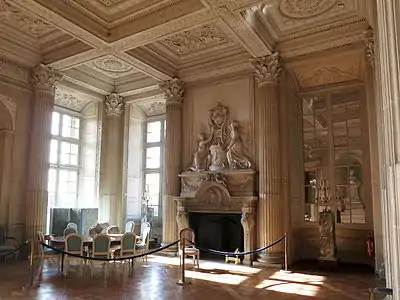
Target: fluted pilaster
column 387, row 89
column 111, row 204
column 43, row 80
column 174, row 92
column 270, row 210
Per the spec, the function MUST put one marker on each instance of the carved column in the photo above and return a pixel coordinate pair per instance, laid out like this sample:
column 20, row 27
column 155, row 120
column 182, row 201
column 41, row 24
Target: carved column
column 44, row 80
column 111, row 202
column 248, row 221
column 173, row 91
column 270, row 210
column 387, row 90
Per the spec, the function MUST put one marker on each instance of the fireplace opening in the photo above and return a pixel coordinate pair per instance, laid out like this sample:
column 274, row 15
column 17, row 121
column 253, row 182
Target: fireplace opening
column 219, row 231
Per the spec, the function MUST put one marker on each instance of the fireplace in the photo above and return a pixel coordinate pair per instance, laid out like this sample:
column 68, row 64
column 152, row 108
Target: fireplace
column 219, row 231
column 214, row 202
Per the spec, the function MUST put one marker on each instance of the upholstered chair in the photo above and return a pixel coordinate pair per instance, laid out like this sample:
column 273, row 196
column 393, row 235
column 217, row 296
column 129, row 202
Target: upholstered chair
column 114, row 229
column 128, row 245
column 190, row 249
column 74, row 245
column 72, row 225
column 7, row 244
column 130, row 226
column 68, row 231
column 101, row 249
column 143, row 245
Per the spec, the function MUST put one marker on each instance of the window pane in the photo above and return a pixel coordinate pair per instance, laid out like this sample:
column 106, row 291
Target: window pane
column 153, row 132
column 55, row 123
column 153, row 156
column 67, row 188
column 69, row 154
column 70, row 127
column 52, row 181
column 152, row 181
column 53, row 151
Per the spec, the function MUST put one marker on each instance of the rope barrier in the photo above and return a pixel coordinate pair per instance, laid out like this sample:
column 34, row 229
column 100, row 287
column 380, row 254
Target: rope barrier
column 238, row 253
column 16, row 249
column 109, row 259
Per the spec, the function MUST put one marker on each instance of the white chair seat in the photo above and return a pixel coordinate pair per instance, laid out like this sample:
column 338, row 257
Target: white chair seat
column 191, row 250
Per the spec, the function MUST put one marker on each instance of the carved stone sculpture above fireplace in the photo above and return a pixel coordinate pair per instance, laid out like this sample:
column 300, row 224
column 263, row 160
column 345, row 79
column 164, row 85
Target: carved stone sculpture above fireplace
column 220, row 146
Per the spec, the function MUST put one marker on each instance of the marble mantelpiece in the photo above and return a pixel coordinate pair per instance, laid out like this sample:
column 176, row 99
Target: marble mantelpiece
column 216, row 192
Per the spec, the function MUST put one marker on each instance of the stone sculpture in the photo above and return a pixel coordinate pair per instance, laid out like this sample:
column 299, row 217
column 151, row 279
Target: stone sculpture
column 222, row 147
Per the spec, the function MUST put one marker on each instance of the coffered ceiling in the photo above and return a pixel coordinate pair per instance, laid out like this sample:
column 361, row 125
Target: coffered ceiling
column 129, row 46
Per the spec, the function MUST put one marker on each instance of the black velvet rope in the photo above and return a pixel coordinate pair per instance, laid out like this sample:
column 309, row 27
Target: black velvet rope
column 16, row 249
column 238, row 253
column 109, row 259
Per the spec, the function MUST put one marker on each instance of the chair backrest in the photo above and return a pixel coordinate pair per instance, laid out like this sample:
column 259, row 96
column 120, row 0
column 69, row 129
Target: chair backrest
column 72, row 225
column 114, row 229
column 40, row 237
column 188, row 235
column 68, row 231
column 144, row 228
column 101, row 246
column 130, row 226
column 74, row 243
column 128, row 243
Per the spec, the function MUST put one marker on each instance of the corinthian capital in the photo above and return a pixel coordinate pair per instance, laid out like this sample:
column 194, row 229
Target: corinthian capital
column 44, row 78
column 369, row 46
column 114, row 104
column 173, row 90
column 267, row 69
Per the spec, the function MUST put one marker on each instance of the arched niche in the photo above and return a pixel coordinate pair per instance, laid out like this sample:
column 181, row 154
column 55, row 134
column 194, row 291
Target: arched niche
column 7, row 124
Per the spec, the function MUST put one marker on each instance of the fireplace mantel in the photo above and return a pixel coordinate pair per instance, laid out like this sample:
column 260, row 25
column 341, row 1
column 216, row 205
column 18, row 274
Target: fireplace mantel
column 226, row 191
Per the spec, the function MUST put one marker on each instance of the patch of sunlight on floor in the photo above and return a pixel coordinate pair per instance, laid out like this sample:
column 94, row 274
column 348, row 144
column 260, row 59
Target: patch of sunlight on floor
column 210, row 265
column 232, row 279
column 205, row 265
column 289, row 288
column 299, row 277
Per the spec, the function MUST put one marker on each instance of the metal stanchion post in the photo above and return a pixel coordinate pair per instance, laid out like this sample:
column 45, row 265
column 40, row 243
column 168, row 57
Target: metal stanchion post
column 286, row 253
column 32, row 251
column 182, row 281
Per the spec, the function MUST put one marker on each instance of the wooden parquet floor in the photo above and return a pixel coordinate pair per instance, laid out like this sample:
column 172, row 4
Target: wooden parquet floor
column 157, row 281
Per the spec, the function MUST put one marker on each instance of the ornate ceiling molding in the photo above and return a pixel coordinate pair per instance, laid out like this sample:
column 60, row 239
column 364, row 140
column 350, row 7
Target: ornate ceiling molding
column 70, row 101
column 298, row 9
column 13, row 71
column 27, row 23
column 110, row 2
column 369, row 46
column 112, row 66
column 152, row 109
column 195, row 39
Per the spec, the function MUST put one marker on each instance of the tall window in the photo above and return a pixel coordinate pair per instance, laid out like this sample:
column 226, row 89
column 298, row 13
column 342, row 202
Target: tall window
column 64, row 161
column 153, row 163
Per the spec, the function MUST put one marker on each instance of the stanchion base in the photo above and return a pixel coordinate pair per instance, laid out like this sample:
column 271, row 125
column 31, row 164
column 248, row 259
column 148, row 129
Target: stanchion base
column 285, row 271
column 181, row 282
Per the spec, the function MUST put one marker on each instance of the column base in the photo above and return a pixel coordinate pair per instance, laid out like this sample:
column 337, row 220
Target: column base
column 171, row 251
column 271, row 259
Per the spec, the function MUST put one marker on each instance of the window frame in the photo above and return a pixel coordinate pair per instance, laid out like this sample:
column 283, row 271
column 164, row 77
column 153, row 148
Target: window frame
column 58, row 166
column 160, row 169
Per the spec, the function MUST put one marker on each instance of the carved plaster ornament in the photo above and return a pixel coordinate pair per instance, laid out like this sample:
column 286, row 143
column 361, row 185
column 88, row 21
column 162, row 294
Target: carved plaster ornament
column 44, row 78
column 298, row 9
column 114, row 104
column 13, row 71
column 215, row 177
column 267, row 69
column 369, row 46
column 195, row 39
column 221, row 146
column 174, row 90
